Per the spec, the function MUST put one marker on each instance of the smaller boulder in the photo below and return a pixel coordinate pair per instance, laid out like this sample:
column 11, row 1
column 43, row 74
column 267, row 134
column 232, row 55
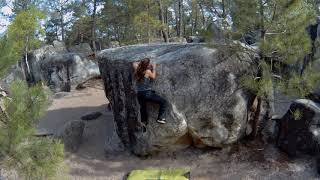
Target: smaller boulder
column 298, row 128
column 91, row 116
column 59, row 46
column 80, row 87
column 195, row 39
column 71, row 135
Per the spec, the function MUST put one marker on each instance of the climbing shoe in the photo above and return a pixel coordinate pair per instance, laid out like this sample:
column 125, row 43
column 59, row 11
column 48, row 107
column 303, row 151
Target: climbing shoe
column 161, row 121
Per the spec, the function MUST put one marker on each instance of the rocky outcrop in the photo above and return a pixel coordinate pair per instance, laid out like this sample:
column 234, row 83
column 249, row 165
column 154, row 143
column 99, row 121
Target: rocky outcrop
column 65, row 70
column 57, row 67
column 195, row 39
column 207, row 106
column 71, row 135
column 299, row 127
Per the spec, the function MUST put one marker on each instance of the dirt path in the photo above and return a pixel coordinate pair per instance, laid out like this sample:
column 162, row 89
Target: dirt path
column 244, row 161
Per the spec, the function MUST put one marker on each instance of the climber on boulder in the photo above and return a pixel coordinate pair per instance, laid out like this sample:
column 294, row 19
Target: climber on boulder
column 144, row 72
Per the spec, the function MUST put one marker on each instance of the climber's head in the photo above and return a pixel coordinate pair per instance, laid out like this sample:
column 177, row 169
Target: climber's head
column 142, row 67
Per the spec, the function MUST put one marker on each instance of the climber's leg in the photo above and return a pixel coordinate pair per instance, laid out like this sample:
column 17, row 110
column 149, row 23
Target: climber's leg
column 153, row 97
column 143, row 107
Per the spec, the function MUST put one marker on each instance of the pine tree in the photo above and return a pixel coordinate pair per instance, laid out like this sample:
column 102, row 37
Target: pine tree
column 23, row 34
column 283, row 42
column 31, row 157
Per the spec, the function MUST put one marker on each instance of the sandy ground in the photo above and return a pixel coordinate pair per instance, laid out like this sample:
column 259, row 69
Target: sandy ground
column 246, row 160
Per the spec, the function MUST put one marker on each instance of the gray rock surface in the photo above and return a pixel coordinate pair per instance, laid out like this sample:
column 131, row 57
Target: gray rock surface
column 14, row 73
column 300, row 132
column 71, row 135
column 207, row 107
column 57, row 67
column 195, row 39
column 69, row 69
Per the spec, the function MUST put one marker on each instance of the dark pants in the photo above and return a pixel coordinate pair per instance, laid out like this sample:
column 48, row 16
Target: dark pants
column 151, row 96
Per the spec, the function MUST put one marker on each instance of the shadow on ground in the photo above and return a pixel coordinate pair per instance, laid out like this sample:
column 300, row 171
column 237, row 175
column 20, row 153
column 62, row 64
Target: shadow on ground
column 246, row 160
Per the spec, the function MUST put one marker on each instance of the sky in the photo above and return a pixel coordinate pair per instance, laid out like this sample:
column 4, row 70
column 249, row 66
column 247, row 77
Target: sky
column 4, row 22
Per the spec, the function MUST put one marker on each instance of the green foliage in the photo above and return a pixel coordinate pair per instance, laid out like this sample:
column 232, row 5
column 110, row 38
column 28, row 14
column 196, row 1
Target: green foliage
column 81, row 27
column 283, row 39
column 246, row 16
column 24, row 29
column 297, row 114
column 146, row 24
column 32, row 157
column 21, row 34
column 8, row 55
column 290, row 40
column 262, row 85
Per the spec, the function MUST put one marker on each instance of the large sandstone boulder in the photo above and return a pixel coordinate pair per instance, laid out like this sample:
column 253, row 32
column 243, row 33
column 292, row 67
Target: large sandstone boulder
column 56, row 66
column 207, row 106
column 62, row 71
column 16, row 72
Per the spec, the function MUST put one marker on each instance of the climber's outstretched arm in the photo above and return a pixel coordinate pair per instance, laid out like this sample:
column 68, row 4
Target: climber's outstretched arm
column 151, row 74
column 135, row 66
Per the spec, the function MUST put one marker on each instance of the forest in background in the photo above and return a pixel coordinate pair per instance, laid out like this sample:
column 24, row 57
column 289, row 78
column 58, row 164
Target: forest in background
column 100, row 22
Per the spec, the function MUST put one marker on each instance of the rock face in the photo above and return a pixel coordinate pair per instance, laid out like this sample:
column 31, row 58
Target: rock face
column 195, row 39
column 59, row 68
column 65, row 70
column 71, row 135
column 300, row 132
column 207, row 107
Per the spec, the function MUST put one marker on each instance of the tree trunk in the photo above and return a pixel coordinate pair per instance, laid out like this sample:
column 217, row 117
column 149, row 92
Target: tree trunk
column 260, row 73
column 224, row 15
column 28, row 73
column 93, row 27
column 23, row 70
column 148, row 23
column 262, row 28
column 203, row 17
column 195, row 22
column 57, row 32
column 183, row 24
column 180, row 6
column 117, row 29
column 166, row 21
column 61, row 23
column 162, row 20
column 176, row 18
